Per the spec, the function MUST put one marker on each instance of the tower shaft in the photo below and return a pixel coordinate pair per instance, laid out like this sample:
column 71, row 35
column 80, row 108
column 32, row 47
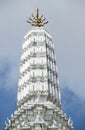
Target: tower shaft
column 38, row 72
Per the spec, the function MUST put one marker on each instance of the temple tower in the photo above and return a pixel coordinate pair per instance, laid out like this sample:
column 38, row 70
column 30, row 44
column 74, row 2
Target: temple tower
column 38, row 98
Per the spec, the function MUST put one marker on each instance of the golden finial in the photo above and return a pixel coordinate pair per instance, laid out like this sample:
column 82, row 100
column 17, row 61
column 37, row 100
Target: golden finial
column 36, row 20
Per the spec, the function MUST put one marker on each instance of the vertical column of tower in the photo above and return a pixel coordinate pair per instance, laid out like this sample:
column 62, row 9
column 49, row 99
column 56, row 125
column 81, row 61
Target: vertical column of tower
column 48, row 66
column 52, row 72
column 38, row 70
column 56, row 80
column 24, row 70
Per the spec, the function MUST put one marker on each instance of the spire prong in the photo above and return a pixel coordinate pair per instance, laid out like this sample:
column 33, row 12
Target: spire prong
column 37, row 13
column 43, row 19
column 41, row 16
column 32, row 21
column 33, row 17
column 45, row 22
column 28, row 21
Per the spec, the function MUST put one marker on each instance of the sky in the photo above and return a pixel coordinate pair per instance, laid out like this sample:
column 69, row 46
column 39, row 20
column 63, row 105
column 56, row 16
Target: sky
column 67, row 27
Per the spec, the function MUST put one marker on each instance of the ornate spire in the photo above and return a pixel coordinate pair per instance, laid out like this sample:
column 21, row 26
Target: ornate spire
column 36, row 20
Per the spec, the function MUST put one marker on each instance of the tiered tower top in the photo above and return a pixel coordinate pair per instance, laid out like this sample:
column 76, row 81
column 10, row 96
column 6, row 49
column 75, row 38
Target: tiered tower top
column 38, row 73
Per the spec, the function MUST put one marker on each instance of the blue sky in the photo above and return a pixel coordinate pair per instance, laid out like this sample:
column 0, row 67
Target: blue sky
column 67, row 27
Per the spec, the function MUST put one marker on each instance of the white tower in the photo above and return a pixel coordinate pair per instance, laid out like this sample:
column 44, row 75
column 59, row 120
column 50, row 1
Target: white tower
column 38, row 99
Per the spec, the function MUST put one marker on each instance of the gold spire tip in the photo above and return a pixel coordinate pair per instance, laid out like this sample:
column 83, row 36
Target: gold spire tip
column 37, row 20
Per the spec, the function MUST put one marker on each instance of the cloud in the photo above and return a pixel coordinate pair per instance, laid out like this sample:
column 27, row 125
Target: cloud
column 8, row 105
column 8, row 75
column 74, row 107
